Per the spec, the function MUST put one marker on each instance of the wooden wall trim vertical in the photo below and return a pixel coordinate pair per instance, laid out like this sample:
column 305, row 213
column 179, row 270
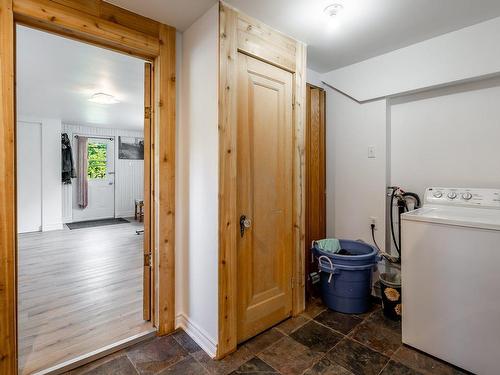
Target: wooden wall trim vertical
column 148, row 219
column 240, row 33
column 228, row 71
column 8, row 296
column 165, row 104
column 315, row 176
column 299, row 178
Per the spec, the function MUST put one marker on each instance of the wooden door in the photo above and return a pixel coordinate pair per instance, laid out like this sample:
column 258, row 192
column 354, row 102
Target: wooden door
column 148, row 183
column 264, row 195
column 315, row 174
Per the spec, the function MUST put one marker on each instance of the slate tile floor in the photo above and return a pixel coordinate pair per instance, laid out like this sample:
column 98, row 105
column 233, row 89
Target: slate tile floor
column 319, row 341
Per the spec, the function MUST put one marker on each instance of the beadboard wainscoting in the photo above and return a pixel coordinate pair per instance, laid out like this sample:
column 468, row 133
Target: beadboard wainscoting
column 129, row 174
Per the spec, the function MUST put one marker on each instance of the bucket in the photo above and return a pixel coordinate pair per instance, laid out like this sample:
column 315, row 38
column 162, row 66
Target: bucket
column 346, row 280
column 390, row 284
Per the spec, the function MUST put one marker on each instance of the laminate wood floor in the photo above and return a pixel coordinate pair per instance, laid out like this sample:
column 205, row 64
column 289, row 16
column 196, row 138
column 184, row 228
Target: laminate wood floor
column 78, row 291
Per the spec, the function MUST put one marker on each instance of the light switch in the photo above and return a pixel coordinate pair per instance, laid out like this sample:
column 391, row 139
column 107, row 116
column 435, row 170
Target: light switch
column 371, row 152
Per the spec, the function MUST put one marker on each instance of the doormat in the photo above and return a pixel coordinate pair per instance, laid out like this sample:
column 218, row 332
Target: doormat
column 96, row 223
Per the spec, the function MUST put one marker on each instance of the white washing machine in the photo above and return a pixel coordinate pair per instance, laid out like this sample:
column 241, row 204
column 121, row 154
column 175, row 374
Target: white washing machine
column 450, row 270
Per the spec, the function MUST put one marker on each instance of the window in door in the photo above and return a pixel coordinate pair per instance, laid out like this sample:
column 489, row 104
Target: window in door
column 97, row 160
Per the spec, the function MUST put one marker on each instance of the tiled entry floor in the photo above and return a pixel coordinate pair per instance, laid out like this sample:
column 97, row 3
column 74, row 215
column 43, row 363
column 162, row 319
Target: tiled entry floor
column 319, row 341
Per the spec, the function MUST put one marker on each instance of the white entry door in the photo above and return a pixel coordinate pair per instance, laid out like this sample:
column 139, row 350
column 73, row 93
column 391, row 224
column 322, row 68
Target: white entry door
column 101, row 180
column 29, row 177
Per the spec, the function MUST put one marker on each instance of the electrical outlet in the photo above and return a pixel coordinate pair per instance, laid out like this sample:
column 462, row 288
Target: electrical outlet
column 373, row 221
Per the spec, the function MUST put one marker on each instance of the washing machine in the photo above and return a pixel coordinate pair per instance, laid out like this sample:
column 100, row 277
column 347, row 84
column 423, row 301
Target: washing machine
column 450, row 266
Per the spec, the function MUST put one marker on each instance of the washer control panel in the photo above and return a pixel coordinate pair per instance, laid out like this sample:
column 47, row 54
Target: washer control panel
column 485, row 198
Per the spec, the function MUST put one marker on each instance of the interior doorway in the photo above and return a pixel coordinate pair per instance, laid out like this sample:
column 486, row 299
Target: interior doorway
column 84, row 282
column 101, row 180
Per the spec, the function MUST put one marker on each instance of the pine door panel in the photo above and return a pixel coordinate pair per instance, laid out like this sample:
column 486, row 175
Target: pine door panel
column 265, row 145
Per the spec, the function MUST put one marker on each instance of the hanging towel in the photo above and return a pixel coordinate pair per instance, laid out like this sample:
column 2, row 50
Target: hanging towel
column 330, row 245
column 83, row 185
column 67, row 166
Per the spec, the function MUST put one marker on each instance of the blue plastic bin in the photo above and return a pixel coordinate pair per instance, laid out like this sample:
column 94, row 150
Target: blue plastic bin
column 346, row 280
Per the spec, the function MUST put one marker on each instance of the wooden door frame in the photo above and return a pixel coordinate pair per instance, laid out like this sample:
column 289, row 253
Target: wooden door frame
column 240, row 33
column 321, row 211
column 105, row 25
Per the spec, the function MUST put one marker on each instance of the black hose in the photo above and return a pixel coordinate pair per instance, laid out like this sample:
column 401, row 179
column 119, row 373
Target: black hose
column 402, row 206
column 415, row 197
column 394, row 189
column 383, row 253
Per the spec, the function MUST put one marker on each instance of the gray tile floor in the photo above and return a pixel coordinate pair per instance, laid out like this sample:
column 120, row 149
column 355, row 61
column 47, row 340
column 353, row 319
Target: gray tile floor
column 319, row 341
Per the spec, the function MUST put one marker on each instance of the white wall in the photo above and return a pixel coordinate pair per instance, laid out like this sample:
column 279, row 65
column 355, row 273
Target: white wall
column 197, row 186
column 355, row 184
column 129, row 174
column 460, row 55
column 444, row 133
column 29, row 177
column 51, row 171
column 314, row 78
column 447, row 137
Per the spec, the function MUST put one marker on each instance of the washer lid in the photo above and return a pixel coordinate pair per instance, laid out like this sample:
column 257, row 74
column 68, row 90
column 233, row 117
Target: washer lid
column 461, row 216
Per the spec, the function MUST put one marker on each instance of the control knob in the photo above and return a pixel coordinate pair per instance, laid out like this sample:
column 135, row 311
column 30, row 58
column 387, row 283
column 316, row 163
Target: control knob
column 452, row 195
column 466, row 196
column 437, row 194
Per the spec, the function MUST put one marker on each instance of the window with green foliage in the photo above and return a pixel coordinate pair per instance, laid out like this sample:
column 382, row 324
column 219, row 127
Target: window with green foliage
column 97, row 160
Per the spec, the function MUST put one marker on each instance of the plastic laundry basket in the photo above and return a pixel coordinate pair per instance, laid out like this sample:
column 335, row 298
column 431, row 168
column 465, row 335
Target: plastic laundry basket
column 346, row 280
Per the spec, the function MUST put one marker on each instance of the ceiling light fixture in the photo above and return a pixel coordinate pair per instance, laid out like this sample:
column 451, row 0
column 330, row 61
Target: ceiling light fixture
column 333, row 10
column 102, row 98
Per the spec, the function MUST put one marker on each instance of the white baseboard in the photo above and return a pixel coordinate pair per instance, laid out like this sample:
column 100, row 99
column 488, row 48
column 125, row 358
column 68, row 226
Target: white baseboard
column 199, row 335
column 49, row 227
column 124, row 214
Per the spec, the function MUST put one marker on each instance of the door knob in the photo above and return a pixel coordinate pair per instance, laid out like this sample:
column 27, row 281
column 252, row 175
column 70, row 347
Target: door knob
column 245, row 223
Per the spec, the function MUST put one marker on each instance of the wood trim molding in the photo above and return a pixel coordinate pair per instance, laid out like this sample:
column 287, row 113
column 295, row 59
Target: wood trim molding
column 228, row 216
column 166, row 130
column 8, row 277
column 264, row 43
column 107, row 26
column 71, row 22
column 299, row 179
column 240, row 33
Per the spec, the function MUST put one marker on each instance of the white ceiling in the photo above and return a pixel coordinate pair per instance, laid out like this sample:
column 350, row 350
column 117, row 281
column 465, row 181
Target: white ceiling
column 56, row 77
column 177, row 13
column 365, row 28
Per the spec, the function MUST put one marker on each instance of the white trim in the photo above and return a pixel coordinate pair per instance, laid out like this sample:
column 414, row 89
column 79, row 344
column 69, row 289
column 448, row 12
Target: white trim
column 198, row 334
column 49, row 227
column 124, row 214
column 97, row 354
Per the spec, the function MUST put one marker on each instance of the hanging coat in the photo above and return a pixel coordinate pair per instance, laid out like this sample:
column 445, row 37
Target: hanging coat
column 68, row 166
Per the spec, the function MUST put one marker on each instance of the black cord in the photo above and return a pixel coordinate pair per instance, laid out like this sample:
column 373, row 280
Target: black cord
column 373, row 237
